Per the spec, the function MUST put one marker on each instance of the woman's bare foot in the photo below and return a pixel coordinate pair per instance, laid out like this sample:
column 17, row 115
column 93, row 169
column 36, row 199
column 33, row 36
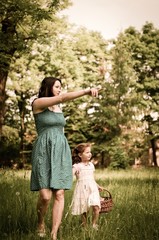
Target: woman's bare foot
column 95, row 226
column 53, row 236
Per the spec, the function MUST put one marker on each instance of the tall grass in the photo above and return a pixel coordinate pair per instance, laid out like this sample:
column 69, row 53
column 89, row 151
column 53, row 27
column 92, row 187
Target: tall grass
column 135, row 215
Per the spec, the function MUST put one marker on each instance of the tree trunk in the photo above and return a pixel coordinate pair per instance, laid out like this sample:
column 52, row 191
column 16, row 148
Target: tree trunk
column 3, row 97
column 7, row 44
column 102, row 159
column 22, row 112
column 153, row 145
column 22, row 131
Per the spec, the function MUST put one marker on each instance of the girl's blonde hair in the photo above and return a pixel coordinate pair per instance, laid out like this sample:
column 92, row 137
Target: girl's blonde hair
column 79, row 149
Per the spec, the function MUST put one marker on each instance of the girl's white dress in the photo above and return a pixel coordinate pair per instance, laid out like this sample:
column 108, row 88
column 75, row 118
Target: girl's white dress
column 86, row 193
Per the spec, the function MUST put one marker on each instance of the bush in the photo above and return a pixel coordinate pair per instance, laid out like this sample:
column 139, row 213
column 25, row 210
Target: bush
column 9, row 150
column 119, row 159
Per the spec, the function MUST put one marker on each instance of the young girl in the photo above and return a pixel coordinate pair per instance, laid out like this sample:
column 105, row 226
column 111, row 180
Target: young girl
column 86, row 193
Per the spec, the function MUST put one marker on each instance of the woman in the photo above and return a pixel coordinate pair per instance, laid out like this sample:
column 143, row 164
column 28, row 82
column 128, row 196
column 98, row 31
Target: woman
column 51, row 155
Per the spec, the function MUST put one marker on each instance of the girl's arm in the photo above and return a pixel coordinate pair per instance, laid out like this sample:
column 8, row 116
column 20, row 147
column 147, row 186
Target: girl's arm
column 41, row 104
column 73, row 171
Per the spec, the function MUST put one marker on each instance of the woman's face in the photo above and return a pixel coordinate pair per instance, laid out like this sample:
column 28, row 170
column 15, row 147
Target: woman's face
column 56, row 89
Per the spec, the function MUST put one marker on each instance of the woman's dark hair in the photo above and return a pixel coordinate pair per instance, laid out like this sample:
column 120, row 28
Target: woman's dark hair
column 46, row 86
column 79, row 149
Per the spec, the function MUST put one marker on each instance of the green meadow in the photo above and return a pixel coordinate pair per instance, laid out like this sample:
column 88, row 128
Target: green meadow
column 135, row 215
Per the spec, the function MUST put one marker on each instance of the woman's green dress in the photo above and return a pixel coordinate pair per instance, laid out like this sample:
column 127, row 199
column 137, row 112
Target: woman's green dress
column 51, row 155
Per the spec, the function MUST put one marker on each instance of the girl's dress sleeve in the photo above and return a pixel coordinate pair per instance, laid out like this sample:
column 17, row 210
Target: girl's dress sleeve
column 76, row 170
column 76, row 166
column 92, row 165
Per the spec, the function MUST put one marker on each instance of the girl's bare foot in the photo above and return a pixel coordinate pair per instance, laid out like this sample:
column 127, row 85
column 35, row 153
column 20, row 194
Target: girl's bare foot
column 41, row 231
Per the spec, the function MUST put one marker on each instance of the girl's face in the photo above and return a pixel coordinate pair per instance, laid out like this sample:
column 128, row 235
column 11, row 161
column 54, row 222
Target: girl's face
column 56, row 89
column 86, row 155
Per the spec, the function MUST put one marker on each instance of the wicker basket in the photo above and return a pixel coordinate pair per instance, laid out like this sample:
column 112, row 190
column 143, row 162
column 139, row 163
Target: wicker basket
column 106, row 202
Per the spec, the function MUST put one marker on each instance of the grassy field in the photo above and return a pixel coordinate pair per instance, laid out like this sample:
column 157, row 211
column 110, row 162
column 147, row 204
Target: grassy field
column 135, row 215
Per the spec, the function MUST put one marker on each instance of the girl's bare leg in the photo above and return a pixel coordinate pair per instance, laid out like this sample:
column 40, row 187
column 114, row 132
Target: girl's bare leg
column 84, row 219
column 57, row 212
column 42, row 206
column 95, row 216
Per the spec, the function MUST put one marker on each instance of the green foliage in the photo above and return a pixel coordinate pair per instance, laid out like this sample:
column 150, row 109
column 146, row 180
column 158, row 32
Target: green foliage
column 10, row 135
column 21, row 23
column 135, row 76
column 62, row 58
column 128, row 75
column 144, row 47
column 9, row 150
column 119, row 159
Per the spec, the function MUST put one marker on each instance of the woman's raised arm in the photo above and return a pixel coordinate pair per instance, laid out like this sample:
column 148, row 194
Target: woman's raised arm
column 42, row 103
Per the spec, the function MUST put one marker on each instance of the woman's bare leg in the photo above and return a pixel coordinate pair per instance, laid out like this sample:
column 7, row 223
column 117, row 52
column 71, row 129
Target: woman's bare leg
column 42, row 206
column 57, row 212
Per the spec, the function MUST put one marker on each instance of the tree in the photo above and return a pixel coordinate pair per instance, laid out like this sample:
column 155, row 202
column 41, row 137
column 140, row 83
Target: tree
column 115, row 109
column 144, row 48
column 56, row 56
column 90, row 49
column 20, row 25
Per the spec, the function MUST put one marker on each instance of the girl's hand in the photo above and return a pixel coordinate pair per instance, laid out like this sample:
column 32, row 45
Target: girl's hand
column 77, row 174
column 100, row 188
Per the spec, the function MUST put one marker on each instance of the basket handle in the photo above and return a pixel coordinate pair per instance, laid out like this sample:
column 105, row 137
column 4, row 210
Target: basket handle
column 107, row 192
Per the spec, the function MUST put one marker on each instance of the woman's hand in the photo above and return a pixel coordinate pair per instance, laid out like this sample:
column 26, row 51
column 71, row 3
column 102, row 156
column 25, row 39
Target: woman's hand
column 93, row 91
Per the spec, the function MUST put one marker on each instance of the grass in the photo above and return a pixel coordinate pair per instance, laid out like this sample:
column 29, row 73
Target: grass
column 134, row 217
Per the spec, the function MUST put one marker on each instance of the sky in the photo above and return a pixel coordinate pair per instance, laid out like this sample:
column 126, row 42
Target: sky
column 109, row 17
